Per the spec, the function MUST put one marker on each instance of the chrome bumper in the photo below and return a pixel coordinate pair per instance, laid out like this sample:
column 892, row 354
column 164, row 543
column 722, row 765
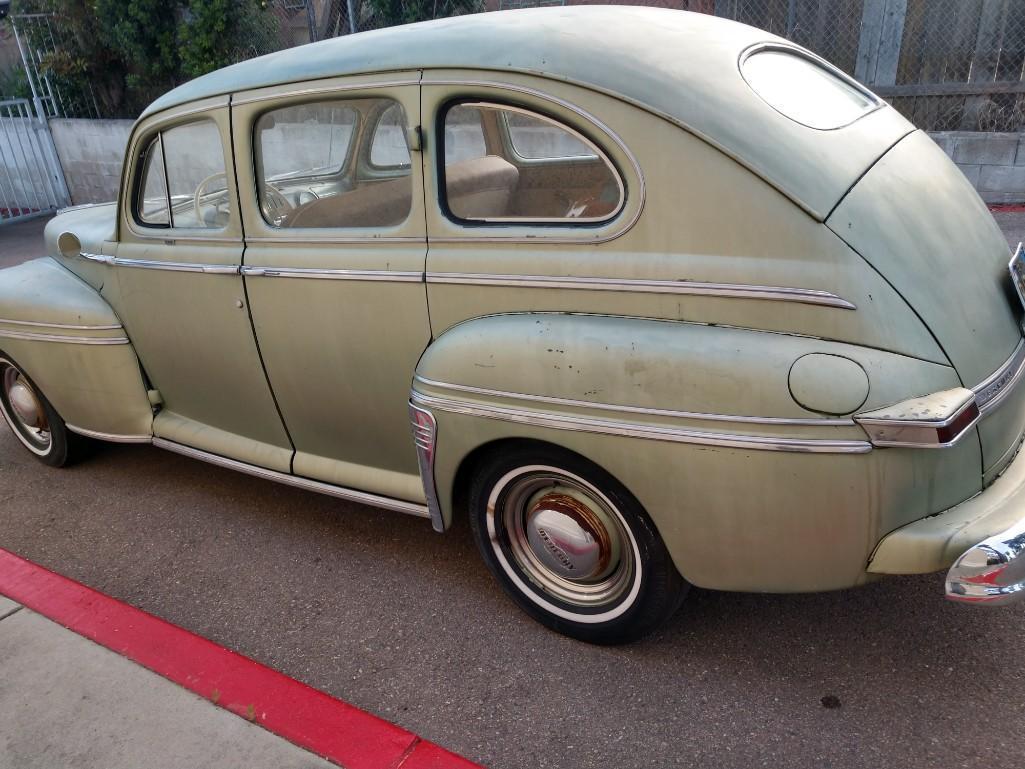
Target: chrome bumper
column 991, row 572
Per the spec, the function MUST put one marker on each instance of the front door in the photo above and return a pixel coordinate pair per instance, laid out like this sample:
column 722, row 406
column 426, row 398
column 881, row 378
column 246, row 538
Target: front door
column 334, row 270
column 180, row 293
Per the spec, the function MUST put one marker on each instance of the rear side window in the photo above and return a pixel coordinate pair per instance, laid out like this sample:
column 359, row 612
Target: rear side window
column 506, row 164
column 806, row 91
column 183, row 181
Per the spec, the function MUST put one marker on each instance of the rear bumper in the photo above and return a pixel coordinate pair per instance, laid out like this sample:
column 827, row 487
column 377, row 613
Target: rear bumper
column 981, row 541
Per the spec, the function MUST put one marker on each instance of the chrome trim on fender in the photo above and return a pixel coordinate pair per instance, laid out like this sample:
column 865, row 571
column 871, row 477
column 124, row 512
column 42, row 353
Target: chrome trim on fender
column 991, row 392
column 392, row 276
column 100, row 258
column 110, row 437
column 688, row 287
column 636, row 430
column 150, row 264
column 425, row 436
column 908, row 424
column 363, row 497
column 72, row 326
column 638, row 409
column 65, row 339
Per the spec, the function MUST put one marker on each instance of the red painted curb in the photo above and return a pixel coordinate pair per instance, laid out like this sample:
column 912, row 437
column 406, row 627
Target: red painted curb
column 305, row 716
column 1008, row 209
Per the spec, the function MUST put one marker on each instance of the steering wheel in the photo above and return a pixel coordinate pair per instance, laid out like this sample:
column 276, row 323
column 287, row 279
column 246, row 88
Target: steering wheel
column 197, row 198
column 273, row 199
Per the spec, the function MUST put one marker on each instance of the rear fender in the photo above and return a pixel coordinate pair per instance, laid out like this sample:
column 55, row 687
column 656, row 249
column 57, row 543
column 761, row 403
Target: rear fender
column 69, row 341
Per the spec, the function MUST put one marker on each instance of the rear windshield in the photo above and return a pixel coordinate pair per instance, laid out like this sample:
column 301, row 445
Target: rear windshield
column 804, row 90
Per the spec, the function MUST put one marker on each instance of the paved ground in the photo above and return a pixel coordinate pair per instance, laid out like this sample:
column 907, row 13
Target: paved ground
column 376, row 609
column 66, row 702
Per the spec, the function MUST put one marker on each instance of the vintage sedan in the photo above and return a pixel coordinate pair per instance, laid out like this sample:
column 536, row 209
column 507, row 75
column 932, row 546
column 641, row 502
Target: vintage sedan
column 666, row 300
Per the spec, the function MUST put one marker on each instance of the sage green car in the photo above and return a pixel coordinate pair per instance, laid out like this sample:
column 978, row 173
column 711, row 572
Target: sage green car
column 652, row 298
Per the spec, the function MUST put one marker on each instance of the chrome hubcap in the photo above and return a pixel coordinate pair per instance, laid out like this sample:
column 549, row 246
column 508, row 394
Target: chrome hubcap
column 24, row 409
column 564, row 536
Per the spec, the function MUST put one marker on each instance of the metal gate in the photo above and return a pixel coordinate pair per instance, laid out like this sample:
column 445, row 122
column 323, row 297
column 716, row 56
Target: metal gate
column 31, row 179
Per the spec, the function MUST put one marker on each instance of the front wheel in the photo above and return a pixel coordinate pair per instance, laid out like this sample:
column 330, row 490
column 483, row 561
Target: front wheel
column 572, row 546
column 32, row 418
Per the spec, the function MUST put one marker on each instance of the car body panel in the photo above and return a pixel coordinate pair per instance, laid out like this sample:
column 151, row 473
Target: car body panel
column 59, row 331
column 192, row 330
column 949, row 261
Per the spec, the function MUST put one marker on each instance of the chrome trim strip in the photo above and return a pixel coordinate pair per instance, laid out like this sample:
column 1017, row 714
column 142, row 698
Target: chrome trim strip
column 150, row 264
column 73, row 326
column 663, row 413
column 102, row 259
column 297, row 237
column 66, row 339
column 324, row 90
column 641, row 190
column 425, row 437
column 393, row 276
column 968, row 402
column 689, row 287
column 992, row 391
column 110, row 437
column 645, row 431
column 362, row 497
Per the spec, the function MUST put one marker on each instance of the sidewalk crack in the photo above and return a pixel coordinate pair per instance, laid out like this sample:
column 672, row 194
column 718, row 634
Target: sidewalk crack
column 15, row 610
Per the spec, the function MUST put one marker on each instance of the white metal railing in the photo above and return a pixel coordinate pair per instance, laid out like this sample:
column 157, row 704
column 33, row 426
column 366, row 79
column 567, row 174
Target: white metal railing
column 31, row 179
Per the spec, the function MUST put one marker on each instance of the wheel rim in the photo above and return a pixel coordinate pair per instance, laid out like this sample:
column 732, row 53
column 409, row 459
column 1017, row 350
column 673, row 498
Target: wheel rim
column 564, row 543
column 23, row 409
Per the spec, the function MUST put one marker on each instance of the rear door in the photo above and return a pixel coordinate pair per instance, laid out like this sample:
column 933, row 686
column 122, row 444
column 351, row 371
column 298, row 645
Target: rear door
column 334, row 270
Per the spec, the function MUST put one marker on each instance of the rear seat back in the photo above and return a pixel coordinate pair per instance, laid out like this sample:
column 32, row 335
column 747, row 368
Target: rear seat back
column 475, row 189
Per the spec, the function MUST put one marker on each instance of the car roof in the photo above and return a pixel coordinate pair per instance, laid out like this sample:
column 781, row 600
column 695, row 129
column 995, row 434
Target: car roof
column 683, row 66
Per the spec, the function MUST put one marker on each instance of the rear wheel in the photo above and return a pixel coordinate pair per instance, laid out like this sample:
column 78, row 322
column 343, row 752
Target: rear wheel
column 571, row 546
column 32, row 418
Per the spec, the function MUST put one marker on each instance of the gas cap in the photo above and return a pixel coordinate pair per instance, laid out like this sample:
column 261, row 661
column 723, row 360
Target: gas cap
column 828, row 384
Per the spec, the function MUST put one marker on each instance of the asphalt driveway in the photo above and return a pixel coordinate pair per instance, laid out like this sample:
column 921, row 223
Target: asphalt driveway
column 375, row 608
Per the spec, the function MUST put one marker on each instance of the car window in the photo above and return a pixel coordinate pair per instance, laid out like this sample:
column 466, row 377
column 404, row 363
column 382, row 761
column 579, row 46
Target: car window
column 307, row 174
column 805, row 91
column 183, row 183
column 152, row 207
column 535, row 138
column 388, row 148
column 507, row 164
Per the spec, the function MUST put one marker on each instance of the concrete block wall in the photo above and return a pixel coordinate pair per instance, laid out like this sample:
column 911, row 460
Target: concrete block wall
column 993, row 162
column 91, row 153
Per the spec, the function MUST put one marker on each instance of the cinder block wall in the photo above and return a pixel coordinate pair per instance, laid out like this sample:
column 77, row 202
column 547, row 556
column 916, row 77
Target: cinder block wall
column 91, row 153
column 993, row 162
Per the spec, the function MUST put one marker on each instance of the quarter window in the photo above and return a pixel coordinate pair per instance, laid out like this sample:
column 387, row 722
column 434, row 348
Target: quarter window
column 309, row 168
column 506, row 164
column 183, row 182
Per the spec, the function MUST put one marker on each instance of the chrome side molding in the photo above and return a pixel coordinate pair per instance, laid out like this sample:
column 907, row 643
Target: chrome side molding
column 640, row 430
column 100, row 340
column 68, row 326
column 664, row 413
column 681, row 287
column 109, row 437
column 392, row 276
column 340, row 492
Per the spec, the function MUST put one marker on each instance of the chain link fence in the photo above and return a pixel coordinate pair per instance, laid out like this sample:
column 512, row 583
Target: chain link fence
column 946, row 64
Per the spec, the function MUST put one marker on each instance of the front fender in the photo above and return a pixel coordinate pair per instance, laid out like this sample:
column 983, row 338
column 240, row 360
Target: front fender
column 65, row 336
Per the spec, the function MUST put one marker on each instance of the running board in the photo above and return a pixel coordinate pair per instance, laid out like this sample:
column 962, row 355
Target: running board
column 363, row 497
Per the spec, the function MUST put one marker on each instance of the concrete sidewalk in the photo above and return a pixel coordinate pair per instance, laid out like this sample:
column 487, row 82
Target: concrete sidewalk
column 68, row 702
